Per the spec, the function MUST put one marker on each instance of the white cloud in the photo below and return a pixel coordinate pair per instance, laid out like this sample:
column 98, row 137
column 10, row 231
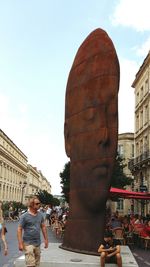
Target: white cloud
column 128, row 70
column 143, row 49
column 132, row 13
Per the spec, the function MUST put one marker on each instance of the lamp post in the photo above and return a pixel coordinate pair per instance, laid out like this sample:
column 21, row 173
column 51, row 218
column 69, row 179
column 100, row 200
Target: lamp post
column 132, row 200
column 23, row 185
column 143, row 188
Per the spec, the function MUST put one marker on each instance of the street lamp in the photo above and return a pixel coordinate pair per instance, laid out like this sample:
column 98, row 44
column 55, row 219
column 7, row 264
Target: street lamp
column 143, row 189
column 23, row 185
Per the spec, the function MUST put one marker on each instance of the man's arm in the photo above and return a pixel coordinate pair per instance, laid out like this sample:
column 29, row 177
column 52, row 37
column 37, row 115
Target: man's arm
column 115, row 251
column 44, row 232
column 102, row 249
column 19, row 236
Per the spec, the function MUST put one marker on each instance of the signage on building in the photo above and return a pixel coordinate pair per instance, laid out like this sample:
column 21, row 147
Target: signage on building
column 143, row 188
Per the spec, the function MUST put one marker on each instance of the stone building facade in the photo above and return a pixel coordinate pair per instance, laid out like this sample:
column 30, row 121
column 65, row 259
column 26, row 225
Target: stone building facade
column 18, row 179
column 13, row 169
column 140, row 165
column 126, row 151
column 36, row 181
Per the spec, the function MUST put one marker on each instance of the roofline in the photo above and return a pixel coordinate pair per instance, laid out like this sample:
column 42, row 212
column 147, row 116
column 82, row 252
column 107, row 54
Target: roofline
column 141, row 69
column 12, row 143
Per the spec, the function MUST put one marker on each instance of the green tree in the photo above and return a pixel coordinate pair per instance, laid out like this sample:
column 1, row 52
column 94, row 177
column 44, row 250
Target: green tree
column 119, row 179
column 56, row 201
column 45, row 197
column 65, row 181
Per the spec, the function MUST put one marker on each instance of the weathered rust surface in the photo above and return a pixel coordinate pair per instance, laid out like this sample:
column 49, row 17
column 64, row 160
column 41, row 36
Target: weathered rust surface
column 91, row 131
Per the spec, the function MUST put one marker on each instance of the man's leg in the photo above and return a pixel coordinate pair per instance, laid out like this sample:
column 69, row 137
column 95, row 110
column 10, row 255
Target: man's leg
column 37, row 252
column 119, row 260
column 29, row 255
column 102, row 259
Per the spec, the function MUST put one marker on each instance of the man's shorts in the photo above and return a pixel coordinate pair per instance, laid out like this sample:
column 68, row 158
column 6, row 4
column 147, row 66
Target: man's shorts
column 32, row 255
column 112, row 259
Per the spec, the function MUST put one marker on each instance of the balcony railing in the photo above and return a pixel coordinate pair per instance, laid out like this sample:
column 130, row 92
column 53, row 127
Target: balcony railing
column 138, row 161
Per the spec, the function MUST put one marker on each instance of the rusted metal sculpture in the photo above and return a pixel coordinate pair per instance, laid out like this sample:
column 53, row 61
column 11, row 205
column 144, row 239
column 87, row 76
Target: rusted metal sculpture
column 91, row 131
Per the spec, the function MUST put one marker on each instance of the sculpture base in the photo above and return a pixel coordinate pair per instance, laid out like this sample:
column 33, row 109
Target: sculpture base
column 79, row 251
column 57, row 257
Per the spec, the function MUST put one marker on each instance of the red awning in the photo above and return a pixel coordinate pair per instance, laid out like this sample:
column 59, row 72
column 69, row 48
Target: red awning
column 121, row 193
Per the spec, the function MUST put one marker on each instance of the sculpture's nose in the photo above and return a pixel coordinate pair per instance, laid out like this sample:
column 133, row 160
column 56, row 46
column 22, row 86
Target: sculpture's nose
column 104, row 137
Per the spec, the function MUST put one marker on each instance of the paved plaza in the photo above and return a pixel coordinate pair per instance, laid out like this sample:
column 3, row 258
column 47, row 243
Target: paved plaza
column 142, row 256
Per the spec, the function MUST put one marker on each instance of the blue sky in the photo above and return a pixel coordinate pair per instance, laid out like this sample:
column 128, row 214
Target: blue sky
column 38, row 43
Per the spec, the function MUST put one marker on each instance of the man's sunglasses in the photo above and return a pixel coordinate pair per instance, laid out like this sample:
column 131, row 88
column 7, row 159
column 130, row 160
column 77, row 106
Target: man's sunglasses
column 37, row 203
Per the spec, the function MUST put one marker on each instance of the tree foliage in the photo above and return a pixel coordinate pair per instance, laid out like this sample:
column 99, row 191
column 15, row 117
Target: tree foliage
column 65, row 181
column 119, row 179
column 46, row 198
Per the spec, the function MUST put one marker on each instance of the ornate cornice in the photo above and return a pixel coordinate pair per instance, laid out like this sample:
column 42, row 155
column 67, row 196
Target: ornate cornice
column 12, row 160
column 7, row 139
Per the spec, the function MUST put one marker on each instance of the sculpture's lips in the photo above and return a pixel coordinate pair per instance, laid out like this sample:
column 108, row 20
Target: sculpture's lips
column 101, row 170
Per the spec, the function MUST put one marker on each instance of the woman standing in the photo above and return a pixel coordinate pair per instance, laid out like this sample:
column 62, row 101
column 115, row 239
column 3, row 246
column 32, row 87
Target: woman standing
column 3, row 231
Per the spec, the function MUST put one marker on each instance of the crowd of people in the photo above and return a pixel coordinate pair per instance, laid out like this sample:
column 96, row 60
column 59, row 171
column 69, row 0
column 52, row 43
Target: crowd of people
column 123, row 230
column 120, row 230
column 56, row 218
column 134, row 229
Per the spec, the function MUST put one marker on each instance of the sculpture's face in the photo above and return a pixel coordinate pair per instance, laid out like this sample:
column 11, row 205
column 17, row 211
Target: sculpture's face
column 90, row 137
column 90, row 132
column 91, row 121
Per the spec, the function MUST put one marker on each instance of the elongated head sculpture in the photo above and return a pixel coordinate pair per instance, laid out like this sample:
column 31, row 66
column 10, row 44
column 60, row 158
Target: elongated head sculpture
column 91, row 131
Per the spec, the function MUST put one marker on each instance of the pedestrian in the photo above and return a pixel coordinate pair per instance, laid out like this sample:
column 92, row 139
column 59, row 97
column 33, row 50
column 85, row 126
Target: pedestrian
column 3, row 231
column 1, row 213
column 48, row 214
column 110, row 251
column 30, row 225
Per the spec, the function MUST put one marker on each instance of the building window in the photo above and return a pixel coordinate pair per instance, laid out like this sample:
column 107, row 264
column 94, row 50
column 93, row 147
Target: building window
column 145, row 143
column 137, row 98
column 137, row 122
column 120, row 150
column 137, row 149
column 141, row 146
column 132, row 149
column 141, row 96
column 146, row 86
column 120, row 204
column 141, row 119
column 146, row 114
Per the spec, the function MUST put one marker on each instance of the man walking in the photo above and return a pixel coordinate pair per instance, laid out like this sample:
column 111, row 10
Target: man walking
column 30, row 225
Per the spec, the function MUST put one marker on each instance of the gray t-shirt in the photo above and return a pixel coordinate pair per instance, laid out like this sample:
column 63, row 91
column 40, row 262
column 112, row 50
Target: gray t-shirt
column 31, row 225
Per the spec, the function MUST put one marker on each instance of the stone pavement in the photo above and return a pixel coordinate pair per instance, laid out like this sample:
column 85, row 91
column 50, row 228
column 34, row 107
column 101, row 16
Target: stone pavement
column 57, row 257
column 142, row 256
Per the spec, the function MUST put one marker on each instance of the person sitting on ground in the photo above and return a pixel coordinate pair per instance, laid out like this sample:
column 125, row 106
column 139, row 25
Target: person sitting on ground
column 109, row 251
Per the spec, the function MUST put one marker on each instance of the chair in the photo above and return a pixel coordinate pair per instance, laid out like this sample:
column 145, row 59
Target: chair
column 118, row 234
column 129, row 239
column 146, row 242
